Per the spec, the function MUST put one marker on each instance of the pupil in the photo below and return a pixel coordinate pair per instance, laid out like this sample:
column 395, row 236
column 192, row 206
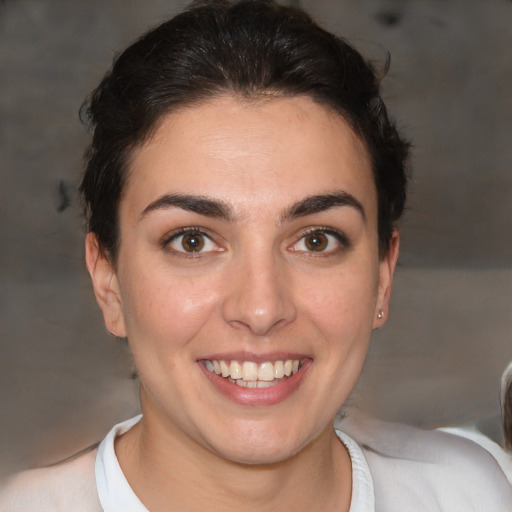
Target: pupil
column 193, row 242
column 316, row 242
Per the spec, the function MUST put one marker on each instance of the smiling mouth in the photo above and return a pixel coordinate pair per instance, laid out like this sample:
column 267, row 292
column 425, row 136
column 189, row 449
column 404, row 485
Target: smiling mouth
column 250, row 374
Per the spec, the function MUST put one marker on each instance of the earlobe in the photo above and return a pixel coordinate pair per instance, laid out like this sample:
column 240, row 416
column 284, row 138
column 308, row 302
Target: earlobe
column 106, row 286
column 386, row 271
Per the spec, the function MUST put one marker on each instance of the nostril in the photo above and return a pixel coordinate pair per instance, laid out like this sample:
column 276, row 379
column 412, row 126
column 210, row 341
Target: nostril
column 263, row 321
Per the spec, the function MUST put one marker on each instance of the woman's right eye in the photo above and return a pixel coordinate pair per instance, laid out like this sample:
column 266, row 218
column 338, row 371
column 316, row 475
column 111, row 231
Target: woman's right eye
column 192, row 241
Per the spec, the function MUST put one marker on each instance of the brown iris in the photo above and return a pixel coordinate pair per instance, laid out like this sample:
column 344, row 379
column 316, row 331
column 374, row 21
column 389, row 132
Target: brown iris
column 316, row 241
column 192, row 242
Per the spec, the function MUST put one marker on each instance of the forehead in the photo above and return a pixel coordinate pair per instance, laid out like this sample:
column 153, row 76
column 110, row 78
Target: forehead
column 252, row 153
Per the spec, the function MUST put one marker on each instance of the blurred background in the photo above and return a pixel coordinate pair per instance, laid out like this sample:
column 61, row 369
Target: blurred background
column 64, row 382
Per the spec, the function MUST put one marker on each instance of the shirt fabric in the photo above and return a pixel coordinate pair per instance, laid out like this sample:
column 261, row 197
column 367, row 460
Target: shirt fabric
column 395, row 468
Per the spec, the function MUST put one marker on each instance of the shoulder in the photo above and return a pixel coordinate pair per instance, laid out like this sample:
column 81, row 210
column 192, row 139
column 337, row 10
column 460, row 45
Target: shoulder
column 424, row 470
column 502, row 456
column 69, row 485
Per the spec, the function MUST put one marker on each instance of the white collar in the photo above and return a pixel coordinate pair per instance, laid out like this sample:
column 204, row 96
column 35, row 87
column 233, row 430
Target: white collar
column 114, row 491
column 116, row 495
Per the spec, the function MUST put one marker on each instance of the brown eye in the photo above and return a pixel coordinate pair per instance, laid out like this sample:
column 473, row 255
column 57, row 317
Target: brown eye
column 316, row 241
column 323, row 241
column 192, row 242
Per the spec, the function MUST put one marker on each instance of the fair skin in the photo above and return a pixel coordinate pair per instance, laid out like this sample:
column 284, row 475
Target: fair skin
column 248, row 235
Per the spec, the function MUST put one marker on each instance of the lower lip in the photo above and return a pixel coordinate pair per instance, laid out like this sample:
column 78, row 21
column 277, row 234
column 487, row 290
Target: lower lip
column 257, row 396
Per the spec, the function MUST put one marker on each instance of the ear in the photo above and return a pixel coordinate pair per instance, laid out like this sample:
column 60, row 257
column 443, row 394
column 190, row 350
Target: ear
column 106, row 286
column 386, row 271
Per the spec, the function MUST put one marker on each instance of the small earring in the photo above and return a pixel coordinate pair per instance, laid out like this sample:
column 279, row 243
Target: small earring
column 380, row 314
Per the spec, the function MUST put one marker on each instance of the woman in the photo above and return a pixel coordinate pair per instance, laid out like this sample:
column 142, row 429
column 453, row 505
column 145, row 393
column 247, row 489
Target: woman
column 242, row 191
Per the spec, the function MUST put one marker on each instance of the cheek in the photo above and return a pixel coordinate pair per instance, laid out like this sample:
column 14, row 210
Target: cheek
column 343, row 302
column 165, row 310
column 343, row 316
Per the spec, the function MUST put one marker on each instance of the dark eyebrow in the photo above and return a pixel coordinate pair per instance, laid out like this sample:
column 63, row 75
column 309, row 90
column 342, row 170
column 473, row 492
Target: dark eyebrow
column 197, row 204
column 322, row 202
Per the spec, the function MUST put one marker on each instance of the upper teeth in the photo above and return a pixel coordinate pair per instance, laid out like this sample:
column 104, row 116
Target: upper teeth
column 251, row 371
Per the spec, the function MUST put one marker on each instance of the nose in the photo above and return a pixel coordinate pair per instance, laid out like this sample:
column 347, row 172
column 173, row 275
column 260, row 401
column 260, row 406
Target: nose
column 258, row 296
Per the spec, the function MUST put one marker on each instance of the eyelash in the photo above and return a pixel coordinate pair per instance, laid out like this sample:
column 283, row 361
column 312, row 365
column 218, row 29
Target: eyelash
column 189, row 230
column 340, row 237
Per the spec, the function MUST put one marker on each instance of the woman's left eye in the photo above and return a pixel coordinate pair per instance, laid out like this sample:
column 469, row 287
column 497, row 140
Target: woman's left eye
column 320, row 241
column 192, row 242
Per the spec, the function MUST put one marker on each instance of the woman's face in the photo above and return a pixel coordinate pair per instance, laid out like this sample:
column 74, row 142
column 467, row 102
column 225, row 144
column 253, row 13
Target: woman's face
column 248, row 247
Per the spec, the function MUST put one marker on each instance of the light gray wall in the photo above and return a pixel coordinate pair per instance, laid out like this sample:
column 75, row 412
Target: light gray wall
column 63, row 381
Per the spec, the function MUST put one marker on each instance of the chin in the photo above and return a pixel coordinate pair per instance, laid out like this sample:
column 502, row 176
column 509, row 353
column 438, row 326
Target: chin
column 259, row 456
column 261, row 445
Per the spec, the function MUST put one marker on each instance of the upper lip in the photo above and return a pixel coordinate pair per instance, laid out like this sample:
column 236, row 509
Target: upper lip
column 257, row 358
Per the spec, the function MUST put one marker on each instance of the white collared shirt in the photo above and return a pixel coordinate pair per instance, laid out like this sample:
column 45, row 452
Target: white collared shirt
column 116, row 495
column 395, row 468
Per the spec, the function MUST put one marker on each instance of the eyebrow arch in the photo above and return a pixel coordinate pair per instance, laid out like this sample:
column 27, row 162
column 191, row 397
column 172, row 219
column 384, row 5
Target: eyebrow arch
column 197, row 204
column 323, row 202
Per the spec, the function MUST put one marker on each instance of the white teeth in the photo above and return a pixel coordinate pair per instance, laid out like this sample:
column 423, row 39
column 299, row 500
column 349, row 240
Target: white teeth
column 254, row 383
column 262, row 384
column 249, row 371
column 224, row 369
column 251, row 374
column 266, row 372
column 235, row 370
column 279, row 369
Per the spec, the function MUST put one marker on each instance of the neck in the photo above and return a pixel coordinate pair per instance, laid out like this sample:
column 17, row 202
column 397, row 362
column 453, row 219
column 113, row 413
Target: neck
column 168, row 472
